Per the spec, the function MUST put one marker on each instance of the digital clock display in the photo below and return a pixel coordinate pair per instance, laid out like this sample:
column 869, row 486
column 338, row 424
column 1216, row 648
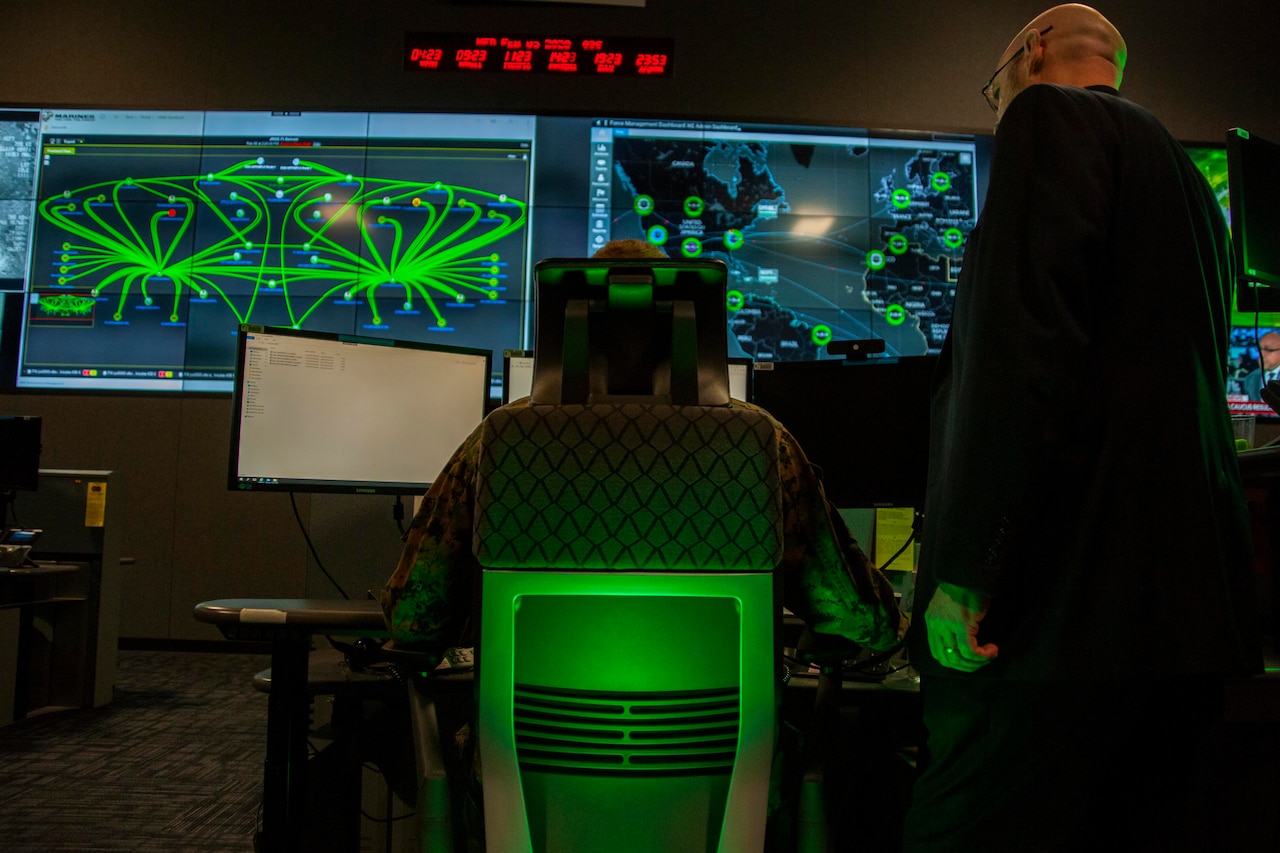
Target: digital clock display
column 534, row 54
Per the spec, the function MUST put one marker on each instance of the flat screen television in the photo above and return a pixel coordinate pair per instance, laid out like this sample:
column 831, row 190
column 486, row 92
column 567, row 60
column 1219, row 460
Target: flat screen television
column 322, row 412
column 865, row 424
column 138, row 241
column 1253, row 169
column 154, row 235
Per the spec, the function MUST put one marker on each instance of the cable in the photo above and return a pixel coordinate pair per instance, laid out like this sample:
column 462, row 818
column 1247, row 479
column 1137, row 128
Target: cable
column 397, row 512
column 293, row 503
column 898, row 553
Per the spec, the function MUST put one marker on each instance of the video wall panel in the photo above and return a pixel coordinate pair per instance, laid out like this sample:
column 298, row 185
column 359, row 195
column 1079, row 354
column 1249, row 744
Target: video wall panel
column 140, row 240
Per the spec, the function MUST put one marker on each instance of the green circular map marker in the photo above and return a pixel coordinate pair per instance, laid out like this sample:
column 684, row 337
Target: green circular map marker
column 657, row 235
column 876, row 259
column 734, row 300
column 691, row 247
column 898, row 244
column 901, row 199
column 821, row 335
column 733, row 239
column 941, row 181
column 693, row 206
column 643, row 205
column 953, row 237
column 896, row 315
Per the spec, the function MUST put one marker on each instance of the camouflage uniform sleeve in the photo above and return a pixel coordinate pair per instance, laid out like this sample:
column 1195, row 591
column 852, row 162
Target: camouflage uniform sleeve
column 427, row 600
column 827, row 579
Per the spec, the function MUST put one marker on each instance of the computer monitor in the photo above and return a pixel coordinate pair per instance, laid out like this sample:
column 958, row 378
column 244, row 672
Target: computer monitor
column 1253, row 169
column 19, row 460
column 321, row 412
column 517, row 374
column 865, row 424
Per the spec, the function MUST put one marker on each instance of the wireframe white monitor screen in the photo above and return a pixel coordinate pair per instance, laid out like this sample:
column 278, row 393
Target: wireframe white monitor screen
column 320, row 412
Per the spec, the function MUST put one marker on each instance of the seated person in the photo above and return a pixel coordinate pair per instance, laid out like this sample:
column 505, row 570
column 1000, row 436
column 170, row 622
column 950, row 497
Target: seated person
column 431, row 600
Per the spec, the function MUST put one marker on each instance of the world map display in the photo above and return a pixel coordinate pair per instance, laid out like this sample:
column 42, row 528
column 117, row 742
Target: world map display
column 825, row 240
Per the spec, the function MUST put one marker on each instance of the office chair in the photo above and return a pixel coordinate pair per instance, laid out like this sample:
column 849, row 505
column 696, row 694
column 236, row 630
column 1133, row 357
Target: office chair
column 628, row 523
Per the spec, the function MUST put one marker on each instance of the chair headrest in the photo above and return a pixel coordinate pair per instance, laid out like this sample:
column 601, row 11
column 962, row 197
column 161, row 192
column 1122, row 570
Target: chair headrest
column 630, row 331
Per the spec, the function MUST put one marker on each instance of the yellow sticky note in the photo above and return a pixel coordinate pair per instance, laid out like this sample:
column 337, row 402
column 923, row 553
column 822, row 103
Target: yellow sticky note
column 893, row 529
column 95, row 503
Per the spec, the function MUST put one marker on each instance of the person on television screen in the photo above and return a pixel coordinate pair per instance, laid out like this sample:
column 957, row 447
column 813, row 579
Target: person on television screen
column 1084, row 581
column 1269, row 366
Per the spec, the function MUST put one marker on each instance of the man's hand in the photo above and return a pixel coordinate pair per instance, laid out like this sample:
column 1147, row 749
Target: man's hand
column 952, row 622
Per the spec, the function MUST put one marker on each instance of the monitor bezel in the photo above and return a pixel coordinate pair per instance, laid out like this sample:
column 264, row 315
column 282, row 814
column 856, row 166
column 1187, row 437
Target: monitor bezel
column 359, row 487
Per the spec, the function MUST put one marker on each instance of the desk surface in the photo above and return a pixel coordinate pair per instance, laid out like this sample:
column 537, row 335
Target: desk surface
column 321, row 614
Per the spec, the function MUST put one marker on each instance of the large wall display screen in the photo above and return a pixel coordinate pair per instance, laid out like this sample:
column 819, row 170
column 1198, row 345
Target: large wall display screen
column 135, row 243
column 828, row 234
column 155, row 235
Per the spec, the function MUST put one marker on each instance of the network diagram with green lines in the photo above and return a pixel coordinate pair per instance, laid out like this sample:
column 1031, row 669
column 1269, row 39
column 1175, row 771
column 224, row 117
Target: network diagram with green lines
column 281, row 241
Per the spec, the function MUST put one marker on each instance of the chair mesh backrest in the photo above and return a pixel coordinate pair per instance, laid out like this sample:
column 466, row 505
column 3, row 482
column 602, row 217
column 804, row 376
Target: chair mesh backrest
column 628, row 487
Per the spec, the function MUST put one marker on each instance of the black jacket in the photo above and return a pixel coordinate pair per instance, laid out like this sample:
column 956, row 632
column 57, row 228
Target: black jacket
column 1082, row 468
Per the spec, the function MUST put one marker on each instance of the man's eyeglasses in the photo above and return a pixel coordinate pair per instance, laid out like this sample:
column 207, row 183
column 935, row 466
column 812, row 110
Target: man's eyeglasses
column 986, row 90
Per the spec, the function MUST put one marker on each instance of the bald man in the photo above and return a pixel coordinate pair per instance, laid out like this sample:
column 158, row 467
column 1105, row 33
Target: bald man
column 1268, row 369
column 1085, row 570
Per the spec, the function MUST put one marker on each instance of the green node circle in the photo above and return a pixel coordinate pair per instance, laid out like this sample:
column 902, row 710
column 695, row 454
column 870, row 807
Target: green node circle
column 821, row 335
column 657, row 235
column 643, row 205
column 459, row 298
column 953, row 237
column 895, row 315
column 733, row 239
column 691, row 247
column 898, row 244
column 693, row 206
column 876, row 259
column 901, row 199
column 941, row 181
column 441, row 322
column 734, row 300
column 494, row 257
column 493, row 294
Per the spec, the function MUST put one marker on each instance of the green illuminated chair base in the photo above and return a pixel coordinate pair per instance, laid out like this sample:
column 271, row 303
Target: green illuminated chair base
column 627, row 711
